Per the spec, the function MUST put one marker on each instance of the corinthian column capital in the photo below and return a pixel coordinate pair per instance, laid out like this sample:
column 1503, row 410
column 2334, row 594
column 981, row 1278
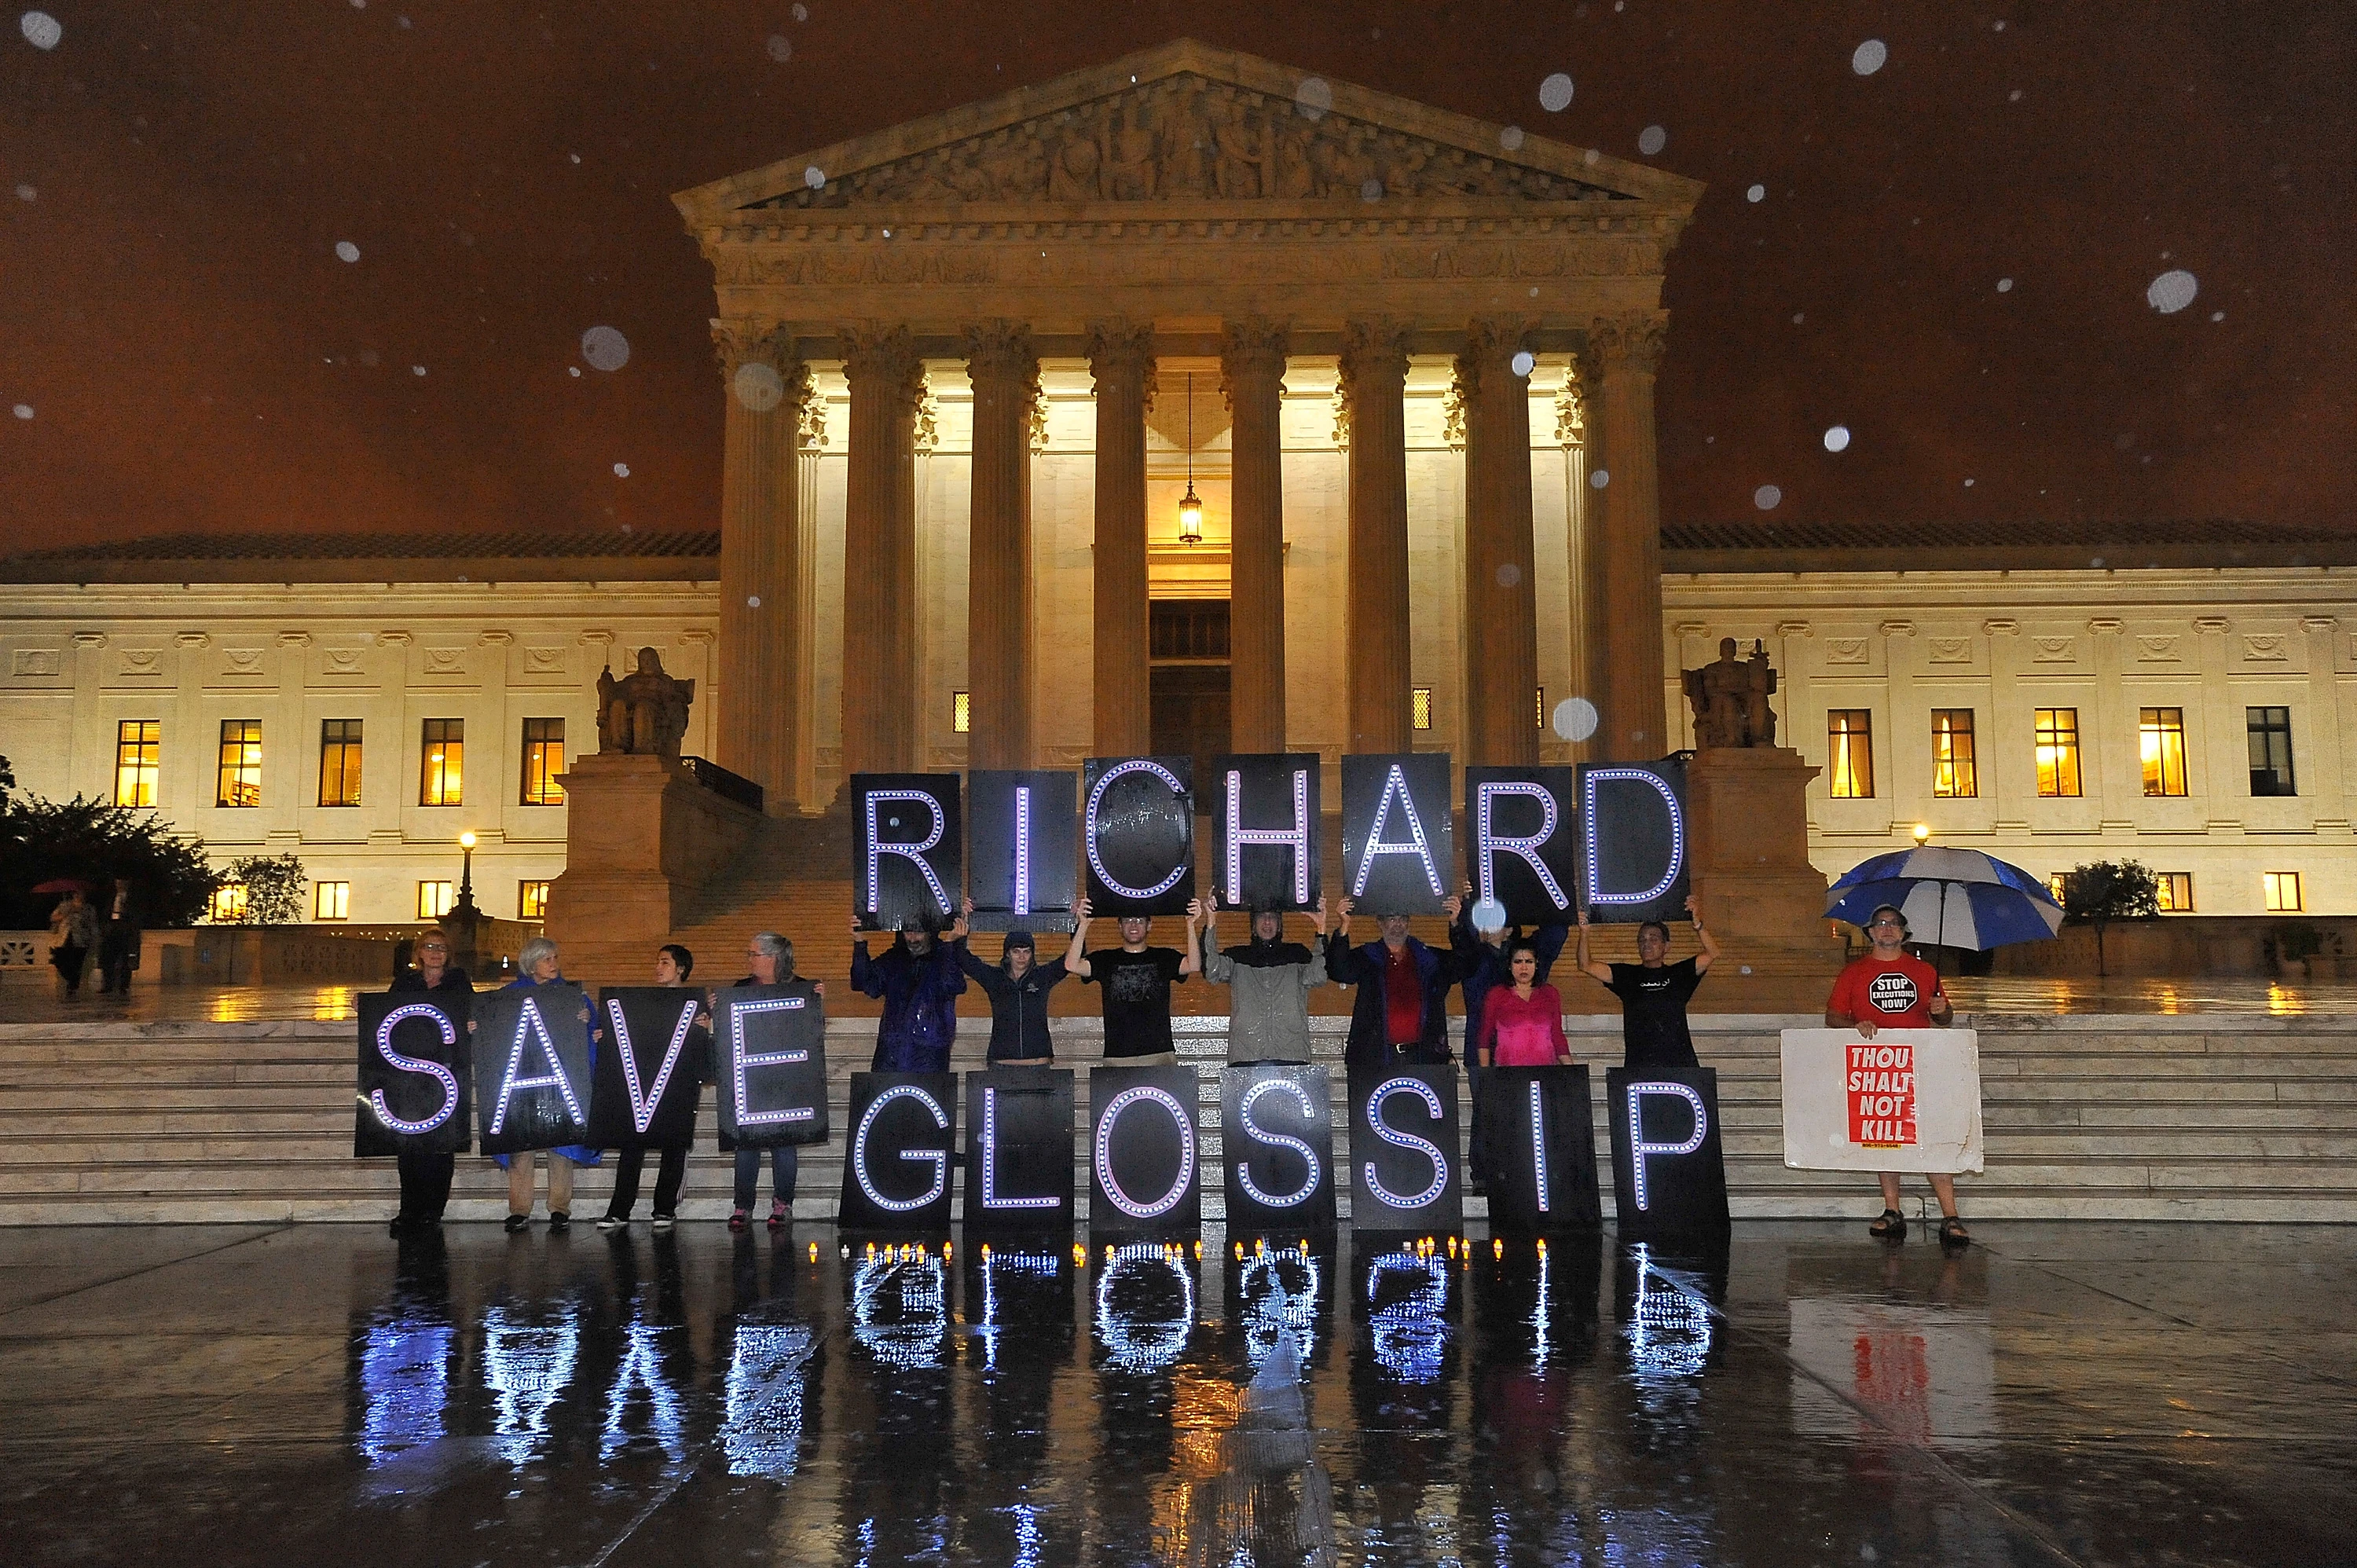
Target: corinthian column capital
column 1001, row 352
column 884, row 359
column 1371, row 351
column 1631, row 343
column 738, row 342
column 1252, row 349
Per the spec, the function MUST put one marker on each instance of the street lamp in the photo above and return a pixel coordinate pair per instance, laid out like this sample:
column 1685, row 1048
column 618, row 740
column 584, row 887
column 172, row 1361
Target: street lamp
column 1190, row 506
column 1922, row 834
column 466, row 869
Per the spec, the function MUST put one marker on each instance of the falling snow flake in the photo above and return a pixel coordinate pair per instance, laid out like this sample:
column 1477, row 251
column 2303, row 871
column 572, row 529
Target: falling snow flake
column 40, row 29
column 1757, row 193
column 1767, row 496
column 1837, row 438
column 621, row 470
column 2172, row 291
column 1554, row 93
column 23, row 411
column 781, row 47
column 347, row 252
column 1868, row 57
column 1652, row 140
column 605, row 348
column 1314, row 98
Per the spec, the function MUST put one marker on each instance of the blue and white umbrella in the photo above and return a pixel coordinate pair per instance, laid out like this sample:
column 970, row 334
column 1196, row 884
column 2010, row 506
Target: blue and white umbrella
column 1951, row 897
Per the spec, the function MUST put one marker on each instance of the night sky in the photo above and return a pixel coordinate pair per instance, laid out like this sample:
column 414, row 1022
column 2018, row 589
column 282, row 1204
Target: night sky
column 1952, row 256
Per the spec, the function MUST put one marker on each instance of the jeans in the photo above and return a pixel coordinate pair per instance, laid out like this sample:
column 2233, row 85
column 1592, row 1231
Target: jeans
column 785, row 1162
column 669, row 1173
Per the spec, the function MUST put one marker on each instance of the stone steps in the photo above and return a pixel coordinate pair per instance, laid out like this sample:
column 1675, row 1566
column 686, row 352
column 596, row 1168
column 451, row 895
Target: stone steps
column 2098, row 1118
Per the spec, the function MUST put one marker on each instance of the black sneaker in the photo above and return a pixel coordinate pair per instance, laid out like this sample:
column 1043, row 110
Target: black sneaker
column 665, row 1221
column 559, row 1221
column 518, row 1223
column 611, row 1221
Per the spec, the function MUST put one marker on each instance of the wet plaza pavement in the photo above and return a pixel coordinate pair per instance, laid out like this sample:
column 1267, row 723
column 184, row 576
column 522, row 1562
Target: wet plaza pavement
column 2058, row 1393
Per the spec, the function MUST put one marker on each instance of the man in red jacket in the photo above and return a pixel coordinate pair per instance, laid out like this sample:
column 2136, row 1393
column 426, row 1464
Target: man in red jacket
column 1889, row 989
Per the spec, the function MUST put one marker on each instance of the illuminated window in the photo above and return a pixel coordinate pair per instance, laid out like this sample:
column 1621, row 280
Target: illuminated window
column 240, row 763
column 1956, row 771
column 2160, row 732
column 138, row 747
column 2283, row 892
column 2058, row 751
column 230, row 903
column 962, row 713
column 2270, row 730
column 1849, row 750
column 531, row 900
column 331, row 900
column 1538, row 707
column 2058, row 883
column 340, row 762
column 1419, row 707
column 2176, row 892
column 544, row 759
column 433, row 900
column 441, row 751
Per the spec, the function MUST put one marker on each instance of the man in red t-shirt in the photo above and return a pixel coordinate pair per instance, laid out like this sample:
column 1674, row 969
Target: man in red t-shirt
column 1890, row 989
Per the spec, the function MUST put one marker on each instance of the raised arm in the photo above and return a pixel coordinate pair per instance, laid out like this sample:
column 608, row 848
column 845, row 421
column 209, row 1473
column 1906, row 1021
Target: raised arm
column 1710, row 953
column 1601, row 973
column 1191, row 961
column 1073, row 963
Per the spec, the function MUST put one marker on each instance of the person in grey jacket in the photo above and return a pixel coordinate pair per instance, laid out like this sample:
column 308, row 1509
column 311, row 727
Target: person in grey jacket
column 1268, row 981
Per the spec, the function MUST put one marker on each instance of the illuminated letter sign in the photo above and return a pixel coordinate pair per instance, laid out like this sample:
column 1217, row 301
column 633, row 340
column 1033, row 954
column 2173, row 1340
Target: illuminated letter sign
column 1536, row 1126
column 1524, row 854
column 532, row 1068
column 909, row 1114
column 1022, row 857
column 908, row 852
column 1633, row 836
column 1138, row 830
column 644, row 1091
column 1278, row 794
column 412, row 1096
column 1667, row 1172
column 771, row 1045
column 1144, row 1150
column 1020, row 1155
column 1404, row 1179
column 1278, row 1147
column 1397, row 852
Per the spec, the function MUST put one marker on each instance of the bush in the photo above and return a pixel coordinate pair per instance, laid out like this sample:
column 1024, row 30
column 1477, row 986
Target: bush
column 94, row 843
column 273, row 889
column 2103, row 891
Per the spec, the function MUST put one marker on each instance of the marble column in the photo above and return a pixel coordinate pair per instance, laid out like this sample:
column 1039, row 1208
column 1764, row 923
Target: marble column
column 1626, row 650
column 1502, row 664
column 761, row 566
column 1121, row 357
column 1252, row 374
column 882, row 685
column 1375, row 380
column 1005, row 374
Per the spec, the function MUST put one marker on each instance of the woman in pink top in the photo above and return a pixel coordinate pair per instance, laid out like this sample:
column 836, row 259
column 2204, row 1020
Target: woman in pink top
column 1521, row 1025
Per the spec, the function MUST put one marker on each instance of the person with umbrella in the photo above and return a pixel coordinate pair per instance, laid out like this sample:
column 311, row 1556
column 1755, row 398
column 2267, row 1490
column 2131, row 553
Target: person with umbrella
column 74, row 924
column 1891, row 989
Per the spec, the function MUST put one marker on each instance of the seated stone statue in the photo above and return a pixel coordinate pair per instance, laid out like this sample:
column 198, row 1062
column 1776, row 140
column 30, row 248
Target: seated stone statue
column 645, row 712
column 1730, row 699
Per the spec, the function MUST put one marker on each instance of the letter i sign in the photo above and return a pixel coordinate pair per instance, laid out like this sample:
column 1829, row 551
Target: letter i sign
column 1881, row 1086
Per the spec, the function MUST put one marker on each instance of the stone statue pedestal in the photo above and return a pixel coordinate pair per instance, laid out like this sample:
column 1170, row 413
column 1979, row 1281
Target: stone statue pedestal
column 1747, row 823
column 643, row 842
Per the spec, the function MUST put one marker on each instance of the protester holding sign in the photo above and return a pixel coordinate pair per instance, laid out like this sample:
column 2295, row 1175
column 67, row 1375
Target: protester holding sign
column 1137, row 981
column 1018, row 987
column 538, row 962
column 1401, row 1013
column 1521, row 1022
column 1269, row 981
column 426, row 1174
column 673, row 964
column 1653, row 994
column 1889, row 989
column 772, row 958
column 920, row 981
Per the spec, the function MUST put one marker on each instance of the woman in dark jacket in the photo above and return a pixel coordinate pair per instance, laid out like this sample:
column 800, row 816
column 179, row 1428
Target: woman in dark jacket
column 425, row 1176
column 1017, row 985
column 673, row 964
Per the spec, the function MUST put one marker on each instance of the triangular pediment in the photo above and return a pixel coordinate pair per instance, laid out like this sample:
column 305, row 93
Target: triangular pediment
column 1188, row 123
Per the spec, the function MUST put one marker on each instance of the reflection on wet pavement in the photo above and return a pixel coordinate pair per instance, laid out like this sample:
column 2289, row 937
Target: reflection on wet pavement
column 1795, row 1394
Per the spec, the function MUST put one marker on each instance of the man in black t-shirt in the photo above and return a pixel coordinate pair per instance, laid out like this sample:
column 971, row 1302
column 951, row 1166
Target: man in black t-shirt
column 1137, row 981
column 1653, row 994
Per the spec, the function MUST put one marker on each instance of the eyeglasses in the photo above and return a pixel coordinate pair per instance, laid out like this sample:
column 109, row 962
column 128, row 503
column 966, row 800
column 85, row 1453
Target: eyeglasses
column 1887, row 926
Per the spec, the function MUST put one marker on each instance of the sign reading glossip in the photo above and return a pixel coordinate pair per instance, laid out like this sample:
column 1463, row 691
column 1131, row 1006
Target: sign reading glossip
column 1540, row 1133
column 1279, row 1147
column 1668, row 1174
column 1143, row 1152
column 903, row 1142
column 1403, row 1149
column 1907, row 1100
column 1018, row 1168
column 415, row 1092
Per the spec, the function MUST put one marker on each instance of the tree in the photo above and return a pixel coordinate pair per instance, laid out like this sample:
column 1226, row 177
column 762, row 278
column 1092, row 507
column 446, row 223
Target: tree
column 95, row 843
column 2103, row 891
column 273, row 889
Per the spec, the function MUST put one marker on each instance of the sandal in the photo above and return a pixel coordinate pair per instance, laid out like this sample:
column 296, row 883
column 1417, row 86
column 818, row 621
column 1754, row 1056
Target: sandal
column 1891, row 1227
column 1953, row 1232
